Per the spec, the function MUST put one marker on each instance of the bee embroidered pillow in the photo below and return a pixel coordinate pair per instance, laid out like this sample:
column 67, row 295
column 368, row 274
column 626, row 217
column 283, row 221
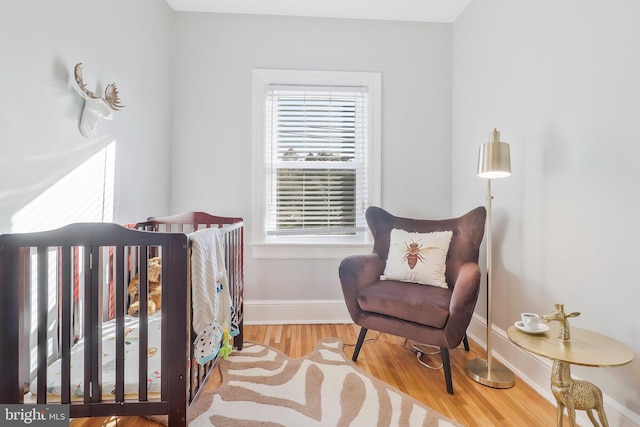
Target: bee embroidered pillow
column 418, row 257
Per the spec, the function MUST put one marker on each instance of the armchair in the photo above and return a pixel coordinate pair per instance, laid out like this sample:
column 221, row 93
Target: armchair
column 433, row 315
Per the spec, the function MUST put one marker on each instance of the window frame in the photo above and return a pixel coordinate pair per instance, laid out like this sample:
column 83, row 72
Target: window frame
column 305, row 247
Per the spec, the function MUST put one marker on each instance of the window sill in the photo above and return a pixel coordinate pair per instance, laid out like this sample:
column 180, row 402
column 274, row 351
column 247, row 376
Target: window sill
column 309, row 249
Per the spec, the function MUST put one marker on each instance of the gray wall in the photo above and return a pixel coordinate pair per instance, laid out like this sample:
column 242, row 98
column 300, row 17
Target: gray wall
column 215, row 55
column 121, row 41
column 560, row 81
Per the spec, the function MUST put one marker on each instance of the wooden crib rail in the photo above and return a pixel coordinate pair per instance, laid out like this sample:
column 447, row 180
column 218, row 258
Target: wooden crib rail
column 196, row 221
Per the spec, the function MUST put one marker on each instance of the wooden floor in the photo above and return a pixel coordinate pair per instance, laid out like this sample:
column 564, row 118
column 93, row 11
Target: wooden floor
column 383, row 356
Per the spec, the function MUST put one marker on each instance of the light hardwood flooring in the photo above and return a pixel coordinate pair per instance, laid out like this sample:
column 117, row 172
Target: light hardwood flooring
column 383, row 356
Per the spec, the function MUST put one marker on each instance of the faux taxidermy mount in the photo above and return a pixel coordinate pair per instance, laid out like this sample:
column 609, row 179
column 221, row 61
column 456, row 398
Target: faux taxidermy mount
column 95, row 107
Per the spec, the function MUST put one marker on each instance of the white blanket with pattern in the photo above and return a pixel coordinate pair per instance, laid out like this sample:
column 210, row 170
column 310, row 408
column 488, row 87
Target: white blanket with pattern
column 210, row 296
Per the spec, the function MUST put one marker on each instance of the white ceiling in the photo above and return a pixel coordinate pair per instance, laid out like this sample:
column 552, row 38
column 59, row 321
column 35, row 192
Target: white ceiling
column 394, row 10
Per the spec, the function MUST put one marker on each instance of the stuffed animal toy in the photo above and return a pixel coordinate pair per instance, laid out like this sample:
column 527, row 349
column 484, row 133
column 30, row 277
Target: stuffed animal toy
column 154, row 275
column 226, row 348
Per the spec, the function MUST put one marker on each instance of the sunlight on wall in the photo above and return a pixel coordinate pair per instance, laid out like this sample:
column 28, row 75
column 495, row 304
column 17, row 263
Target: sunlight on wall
column 84, row 195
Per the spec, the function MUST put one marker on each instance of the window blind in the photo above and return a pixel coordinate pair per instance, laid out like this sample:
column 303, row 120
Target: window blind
column 316, row 159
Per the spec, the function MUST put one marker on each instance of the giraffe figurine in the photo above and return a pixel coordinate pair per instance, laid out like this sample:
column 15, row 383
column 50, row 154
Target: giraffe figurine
column 569, row 393
column 564, row 334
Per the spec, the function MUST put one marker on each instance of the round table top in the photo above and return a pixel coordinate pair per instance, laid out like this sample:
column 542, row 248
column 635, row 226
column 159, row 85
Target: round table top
column 584, row 347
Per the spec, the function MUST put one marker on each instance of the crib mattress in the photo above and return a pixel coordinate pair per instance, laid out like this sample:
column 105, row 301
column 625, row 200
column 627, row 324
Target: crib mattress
column 131, row 357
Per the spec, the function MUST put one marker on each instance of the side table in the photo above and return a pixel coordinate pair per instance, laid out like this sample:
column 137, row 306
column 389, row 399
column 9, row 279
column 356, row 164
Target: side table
column 586, row 348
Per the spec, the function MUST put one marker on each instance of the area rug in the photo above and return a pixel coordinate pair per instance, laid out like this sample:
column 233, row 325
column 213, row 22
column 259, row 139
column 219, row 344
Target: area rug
column 263, row 387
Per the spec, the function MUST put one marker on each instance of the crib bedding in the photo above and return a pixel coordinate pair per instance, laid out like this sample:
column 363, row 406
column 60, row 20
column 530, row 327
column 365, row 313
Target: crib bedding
column 131, row 358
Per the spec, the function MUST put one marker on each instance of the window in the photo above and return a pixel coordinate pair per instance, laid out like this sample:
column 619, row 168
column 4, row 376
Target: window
column 316, row 154
column 316, row 160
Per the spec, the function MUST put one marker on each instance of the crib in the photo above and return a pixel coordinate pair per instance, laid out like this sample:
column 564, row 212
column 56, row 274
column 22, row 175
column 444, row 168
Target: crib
column 61, row 289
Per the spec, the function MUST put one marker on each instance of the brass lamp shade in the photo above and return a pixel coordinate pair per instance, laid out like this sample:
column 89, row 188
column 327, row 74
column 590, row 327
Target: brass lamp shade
column 494, row 160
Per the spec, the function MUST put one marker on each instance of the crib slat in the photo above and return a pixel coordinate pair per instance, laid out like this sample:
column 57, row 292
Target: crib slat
column 143, row 298
column 43, row 300
column 97, row 311
column 119, row 271
column 88, row 324
column 92, row 327
column 11, row 299
column 66, row 299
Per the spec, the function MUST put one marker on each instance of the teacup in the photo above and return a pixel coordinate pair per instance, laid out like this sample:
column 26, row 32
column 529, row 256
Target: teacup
column 530, row 321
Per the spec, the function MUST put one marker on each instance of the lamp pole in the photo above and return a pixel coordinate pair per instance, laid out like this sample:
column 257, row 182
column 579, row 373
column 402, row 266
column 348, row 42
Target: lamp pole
column 489, row 276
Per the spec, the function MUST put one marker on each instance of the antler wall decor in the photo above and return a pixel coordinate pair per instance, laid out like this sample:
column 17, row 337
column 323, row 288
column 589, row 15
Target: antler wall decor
column 95, row 107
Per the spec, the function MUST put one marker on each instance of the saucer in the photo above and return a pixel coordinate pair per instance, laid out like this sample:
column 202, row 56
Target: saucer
column 542, row 328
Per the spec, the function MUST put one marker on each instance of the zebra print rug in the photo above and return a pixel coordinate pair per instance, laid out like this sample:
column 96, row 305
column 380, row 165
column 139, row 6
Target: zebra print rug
column 263, row 387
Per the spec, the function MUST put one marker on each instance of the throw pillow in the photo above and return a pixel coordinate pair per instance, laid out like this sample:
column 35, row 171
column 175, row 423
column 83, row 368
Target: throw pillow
column 418, row 257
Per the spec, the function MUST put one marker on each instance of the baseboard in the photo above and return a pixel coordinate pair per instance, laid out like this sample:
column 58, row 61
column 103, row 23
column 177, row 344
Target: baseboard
column 536, row 372
column 278, row 312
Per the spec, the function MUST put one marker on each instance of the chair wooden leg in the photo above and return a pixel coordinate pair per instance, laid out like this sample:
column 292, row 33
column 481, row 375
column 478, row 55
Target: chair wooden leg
column 356, row 352
column 446, row 365
column 465, row 341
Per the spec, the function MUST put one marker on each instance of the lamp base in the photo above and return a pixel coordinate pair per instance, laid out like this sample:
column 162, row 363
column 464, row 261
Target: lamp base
column 499, row 377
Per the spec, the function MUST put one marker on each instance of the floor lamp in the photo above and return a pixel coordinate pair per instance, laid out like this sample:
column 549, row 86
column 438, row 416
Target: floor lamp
column 493, row 162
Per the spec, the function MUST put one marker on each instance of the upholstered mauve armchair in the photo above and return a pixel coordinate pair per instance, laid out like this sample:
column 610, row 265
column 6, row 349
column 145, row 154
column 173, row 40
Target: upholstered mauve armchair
column 436, row 315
